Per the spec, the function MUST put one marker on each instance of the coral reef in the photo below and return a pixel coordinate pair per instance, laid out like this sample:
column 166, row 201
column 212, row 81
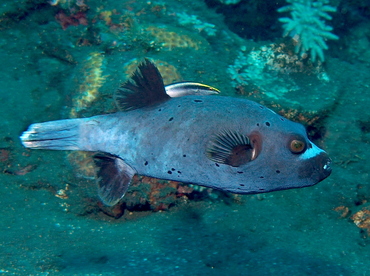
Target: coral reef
column 13, row 162
column 269, row 69
column 5, row 155
column 82, row 163
column 67, row 4
column 148, row 194
column 92, row 80
column 170, row 38
column 117, row 22
column 73, row 19
column 307, row 26
column 362, row 219
column 276, row 77
column 358, row 211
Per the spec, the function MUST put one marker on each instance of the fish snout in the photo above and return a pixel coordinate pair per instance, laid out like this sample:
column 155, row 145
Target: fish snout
column 326, row 167
column 323, row 166
column 316, row 168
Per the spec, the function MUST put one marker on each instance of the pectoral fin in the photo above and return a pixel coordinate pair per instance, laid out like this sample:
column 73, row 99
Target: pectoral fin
column 113, row 177
column 230, row 148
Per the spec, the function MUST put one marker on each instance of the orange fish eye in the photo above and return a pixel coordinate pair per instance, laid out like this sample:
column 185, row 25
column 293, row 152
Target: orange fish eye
column 297, row 146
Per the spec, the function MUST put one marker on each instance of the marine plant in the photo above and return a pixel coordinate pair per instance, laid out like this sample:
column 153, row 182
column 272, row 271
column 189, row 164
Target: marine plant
column 307, row 26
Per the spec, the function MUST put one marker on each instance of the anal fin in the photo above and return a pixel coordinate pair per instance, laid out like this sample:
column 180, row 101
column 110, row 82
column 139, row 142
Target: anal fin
column 113, row 177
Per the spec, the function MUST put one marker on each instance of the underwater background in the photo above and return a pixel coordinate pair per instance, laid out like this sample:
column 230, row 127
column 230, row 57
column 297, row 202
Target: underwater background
column 307, row 60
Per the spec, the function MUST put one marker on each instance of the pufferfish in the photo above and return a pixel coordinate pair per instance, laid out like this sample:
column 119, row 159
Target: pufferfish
column 231, row 144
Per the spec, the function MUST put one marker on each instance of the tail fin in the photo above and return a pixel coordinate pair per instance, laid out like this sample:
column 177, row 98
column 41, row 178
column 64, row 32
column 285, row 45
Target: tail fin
column 55, row 135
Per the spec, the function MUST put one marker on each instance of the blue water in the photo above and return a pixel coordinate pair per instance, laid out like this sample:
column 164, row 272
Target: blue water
column 65, row 60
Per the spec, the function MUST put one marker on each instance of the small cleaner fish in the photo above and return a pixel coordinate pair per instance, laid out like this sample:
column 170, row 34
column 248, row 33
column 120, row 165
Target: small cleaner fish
column 225, row 143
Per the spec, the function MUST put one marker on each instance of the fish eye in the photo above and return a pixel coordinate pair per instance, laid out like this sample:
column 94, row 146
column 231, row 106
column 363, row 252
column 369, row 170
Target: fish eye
column 297, row 146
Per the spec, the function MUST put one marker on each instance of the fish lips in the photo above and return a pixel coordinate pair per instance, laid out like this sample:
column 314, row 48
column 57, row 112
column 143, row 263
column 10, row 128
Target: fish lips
column 316, row 168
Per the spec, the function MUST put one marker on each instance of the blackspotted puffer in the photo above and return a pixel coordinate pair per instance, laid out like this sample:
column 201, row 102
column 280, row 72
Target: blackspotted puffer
column 226, row 143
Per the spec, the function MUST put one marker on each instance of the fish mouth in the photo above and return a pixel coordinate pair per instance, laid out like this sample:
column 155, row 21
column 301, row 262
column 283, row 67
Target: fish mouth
column 326, row 168
column 317, row 168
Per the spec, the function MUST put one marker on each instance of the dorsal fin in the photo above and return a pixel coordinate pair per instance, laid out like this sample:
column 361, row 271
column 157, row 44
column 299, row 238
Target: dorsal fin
column 144, row 88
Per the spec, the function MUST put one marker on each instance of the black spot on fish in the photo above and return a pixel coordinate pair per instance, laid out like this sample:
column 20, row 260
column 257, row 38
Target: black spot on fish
column 258, row 124
column 170, row 119
column 268, row 124
column 146, row 163
column 160, row 109
column 184, row 155
column 198, row 101
column 277, row 171
column 179, row 172
column 239, row 172
column 169, row 172
column 282, row 119
column 261, row 107
column 262, row 177
column 241, row 185
column 173, row 169
column 217, row 165
column 179, row 106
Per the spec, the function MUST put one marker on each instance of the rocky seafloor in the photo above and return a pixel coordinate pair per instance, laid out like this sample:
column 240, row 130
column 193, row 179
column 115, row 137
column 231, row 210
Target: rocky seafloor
column 64, row 59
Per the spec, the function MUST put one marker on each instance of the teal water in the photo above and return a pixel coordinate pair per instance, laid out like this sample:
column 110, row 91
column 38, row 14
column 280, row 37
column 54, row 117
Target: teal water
column 65, row 60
